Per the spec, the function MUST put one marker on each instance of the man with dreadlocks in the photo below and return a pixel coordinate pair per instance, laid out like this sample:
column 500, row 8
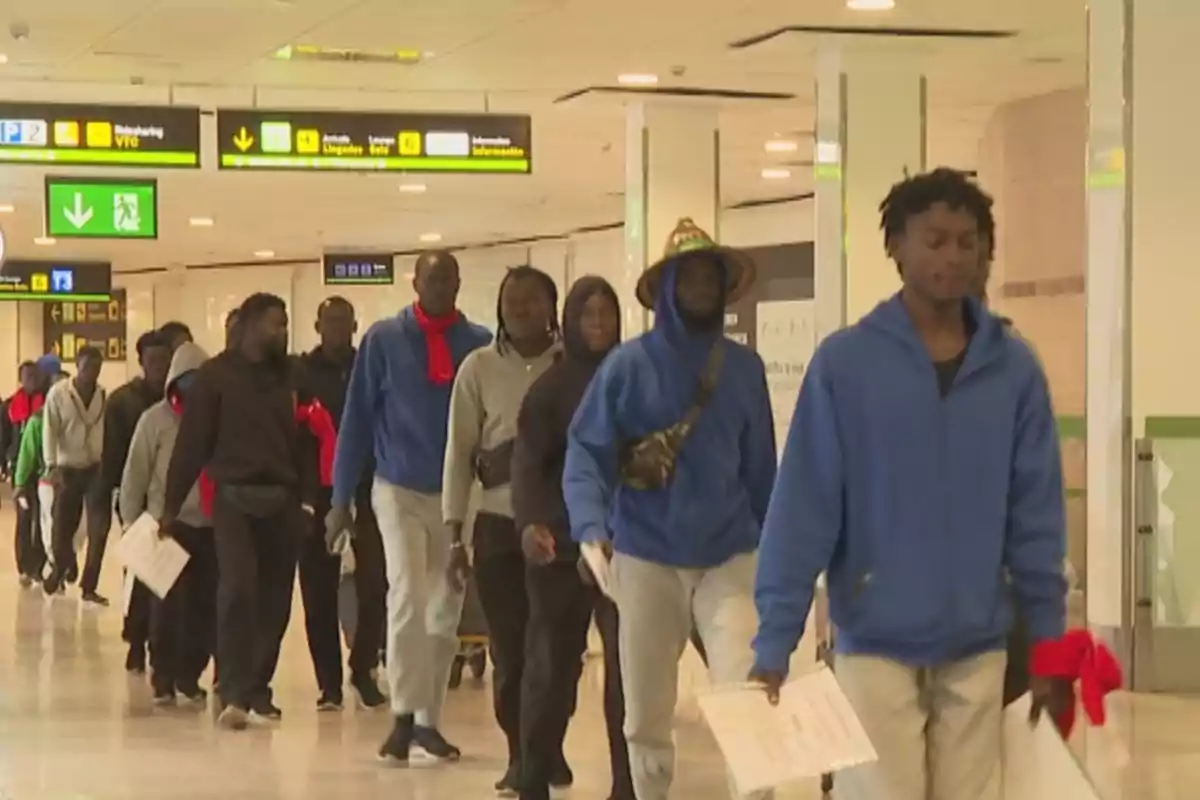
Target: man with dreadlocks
column 921, row 467
column 484, row 409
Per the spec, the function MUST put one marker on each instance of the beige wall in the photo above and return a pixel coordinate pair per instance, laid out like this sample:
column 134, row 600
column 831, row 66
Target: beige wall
column 1032, row 160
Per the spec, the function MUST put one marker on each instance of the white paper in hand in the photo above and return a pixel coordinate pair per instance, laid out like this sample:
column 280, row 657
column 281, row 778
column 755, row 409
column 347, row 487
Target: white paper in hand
column 1038, row 765
column 156, row 562
column 599, row 565
column 812, row 731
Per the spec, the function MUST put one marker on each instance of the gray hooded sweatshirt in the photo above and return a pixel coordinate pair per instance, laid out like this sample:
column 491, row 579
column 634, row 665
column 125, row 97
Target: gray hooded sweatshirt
column 144, row 482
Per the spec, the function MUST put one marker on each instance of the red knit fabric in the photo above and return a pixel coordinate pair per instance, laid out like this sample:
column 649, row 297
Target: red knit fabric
column 320, row 422
column 437, row 348
column 1079, row 659
column 22, row 406
column 208, row 489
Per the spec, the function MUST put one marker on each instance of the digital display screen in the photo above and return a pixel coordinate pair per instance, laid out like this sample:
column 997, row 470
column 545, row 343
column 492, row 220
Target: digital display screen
column 56, row 281
column 99, row 136
column 350, row 269
column 371, row 141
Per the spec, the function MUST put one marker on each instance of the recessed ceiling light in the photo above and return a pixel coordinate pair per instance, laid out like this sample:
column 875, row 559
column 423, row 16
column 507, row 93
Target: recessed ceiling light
column 781, row 146
column 776, row 173
column 870, row 5
column 3, row 58
column 7, row 208
column 413, row 188
column 200, row 222
column 264, row 253
column 44, row 241
column 637, row 79
column 430, row 238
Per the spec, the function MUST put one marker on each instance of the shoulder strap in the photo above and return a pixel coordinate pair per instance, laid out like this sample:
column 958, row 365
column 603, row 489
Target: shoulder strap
column 708, row 383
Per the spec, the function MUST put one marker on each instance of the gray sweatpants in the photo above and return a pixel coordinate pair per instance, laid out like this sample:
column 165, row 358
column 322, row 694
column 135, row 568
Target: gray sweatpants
column 657, row 606
column 422, row 608
column 937, row 731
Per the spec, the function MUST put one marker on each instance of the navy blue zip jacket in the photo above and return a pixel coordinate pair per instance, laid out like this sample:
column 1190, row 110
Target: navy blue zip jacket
column 916, row 504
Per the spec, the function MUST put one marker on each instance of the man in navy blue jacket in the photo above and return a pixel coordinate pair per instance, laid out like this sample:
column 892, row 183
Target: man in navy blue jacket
column 669, row 467
column 921, row 470
column 397, row 408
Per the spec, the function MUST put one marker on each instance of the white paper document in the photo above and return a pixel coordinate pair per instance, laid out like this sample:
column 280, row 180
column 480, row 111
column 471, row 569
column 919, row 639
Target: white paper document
column 1038, row 765
column 812, row 731
column 157, row 562
column 600, row 566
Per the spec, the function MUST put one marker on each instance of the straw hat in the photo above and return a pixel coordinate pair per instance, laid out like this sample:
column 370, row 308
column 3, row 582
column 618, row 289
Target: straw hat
column 689, row 238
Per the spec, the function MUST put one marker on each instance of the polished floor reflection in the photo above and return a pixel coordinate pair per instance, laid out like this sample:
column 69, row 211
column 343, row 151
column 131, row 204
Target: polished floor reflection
column 74, row 726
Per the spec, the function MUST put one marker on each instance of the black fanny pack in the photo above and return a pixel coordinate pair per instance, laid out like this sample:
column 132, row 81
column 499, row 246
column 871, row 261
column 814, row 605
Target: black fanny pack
column 259, row 502
column 494, row 467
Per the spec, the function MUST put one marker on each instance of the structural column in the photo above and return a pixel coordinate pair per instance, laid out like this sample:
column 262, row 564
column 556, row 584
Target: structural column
column 1143, row 555
column 870, row 133
column 672, row 170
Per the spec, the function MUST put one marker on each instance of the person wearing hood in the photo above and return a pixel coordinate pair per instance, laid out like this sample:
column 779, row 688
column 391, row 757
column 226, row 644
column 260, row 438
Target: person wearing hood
column 930, row 507
column 182, row 626
column 669, row 468
column 397, row 405
column 560, row 603
column 484, row 407
column 14, row 417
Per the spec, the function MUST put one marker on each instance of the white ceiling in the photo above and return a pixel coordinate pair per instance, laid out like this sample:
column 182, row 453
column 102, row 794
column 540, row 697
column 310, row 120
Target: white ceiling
column 499, row 55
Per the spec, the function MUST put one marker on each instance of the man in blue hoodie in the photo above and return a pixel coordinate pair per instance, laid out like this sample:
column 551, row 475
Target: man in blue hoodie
column 669, row 467
column 921, row 473
column 397, row 408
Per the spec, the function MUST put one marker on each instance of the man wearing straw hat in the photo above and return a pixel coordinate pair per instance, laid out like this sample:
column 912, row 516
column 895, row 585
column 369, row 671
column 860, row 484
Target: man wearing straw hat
column 669, row 468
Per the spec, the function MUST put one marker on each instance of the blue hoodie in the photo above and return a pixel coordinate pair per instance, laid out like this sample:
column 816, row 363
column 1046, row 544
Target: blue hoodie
column 392, row 406
column 714, row 507
column 916, row 505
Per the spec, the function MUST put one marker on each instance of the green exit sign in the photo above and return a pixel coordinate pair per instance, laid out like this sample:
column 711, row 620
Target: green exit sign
column 99, row 208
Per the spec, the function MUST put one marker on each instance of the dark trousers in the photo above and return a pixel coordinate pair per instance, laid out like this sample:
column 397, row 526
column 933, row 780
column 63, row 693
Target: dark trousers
column 136, row 628
column 1016, row 674
column 320, row 577
column 183, row 624
column 256, row 569
column 608, row 623
column 78, row 490
column 560, row 612
column 31, row 556
column 500, row 580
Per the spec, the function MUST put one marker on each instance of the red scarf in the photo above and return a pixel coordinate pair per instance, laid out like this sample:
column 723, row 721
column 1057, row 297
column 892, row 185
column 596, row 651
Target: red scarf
column 437, row 348
column 1081, row 660
column 208, row 489
column 22, row 406
column 319, row 422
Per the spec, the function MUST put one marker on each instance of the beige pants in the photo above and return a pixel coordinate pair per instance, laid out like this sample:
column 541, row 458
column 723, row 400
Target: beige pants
column 938, row 731
column 657, row 606
column 422, row 608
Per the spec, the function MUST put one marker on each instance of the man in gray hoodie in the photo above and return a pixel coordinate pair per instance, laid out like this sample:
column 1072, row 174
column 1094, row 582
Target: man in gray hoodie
column 182, row 625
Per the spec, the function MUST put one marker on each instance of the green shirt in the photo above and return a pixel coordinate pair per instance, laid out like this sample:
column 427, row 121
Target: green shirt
column 29, row 454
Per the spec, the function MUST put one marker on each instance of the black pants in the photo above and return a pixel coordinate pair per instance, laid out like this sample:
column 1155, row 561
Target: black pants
column 500, row 579
column 560, row 613
column 320, row 576
column 31, row 556
column 81, row 489
column 256, row 569
column 1016, row 674
column 183, row 624
column 607, row 621
column 136, row 628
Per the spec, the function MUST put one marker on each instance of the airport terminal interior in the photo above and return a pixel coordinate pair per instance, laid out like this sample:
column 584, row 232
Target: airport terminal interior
column 162, row 160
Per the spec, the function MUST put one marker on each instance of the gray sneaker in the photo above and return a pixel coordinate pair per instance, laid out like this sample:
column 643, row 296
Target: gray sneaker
column 234, row 719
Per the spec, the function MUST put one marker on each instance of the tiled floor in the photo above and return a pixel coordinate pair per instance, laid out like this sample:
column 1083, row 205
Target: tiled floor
column 73, row 726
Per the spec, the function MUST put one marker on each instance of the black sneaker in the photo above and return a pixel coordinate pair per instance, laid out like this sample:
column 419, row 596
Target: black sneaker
column 71, row 574
column 510, row 784
column 367, row 690
column 94, row 599
column 53, row 584
column 194, row 695
column 135, row 660
column 561, row 776
column 329, row 702
column 431, row 741
column 265, row 711
column 395, row 748
column 164, row 697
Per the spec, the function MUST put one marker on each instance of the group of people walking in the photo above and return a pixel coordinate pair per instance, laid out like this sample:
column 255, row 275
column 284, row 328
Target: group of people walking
column 921, row 474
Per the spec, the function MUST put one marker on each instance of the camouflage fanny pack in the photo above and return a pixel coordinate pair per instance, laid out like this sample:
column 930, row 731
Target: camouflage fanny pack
column 648, row 464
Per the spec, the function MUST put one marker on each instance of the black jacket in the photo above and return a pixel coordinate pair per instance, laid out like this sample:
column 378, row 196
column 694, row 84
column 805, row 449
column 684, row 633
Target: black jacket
column 121, row 415
column 540, row 449
column 327, row 381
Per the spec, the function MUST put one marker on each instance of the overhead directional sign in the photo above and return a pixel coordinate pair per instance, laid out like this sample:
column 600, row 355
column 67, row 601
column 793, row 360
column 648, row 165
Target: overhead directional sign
column 350, row 269
column 97, row 208
column 353, row 141
column 93, row 135
column 68, row 327
column 56, row 281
